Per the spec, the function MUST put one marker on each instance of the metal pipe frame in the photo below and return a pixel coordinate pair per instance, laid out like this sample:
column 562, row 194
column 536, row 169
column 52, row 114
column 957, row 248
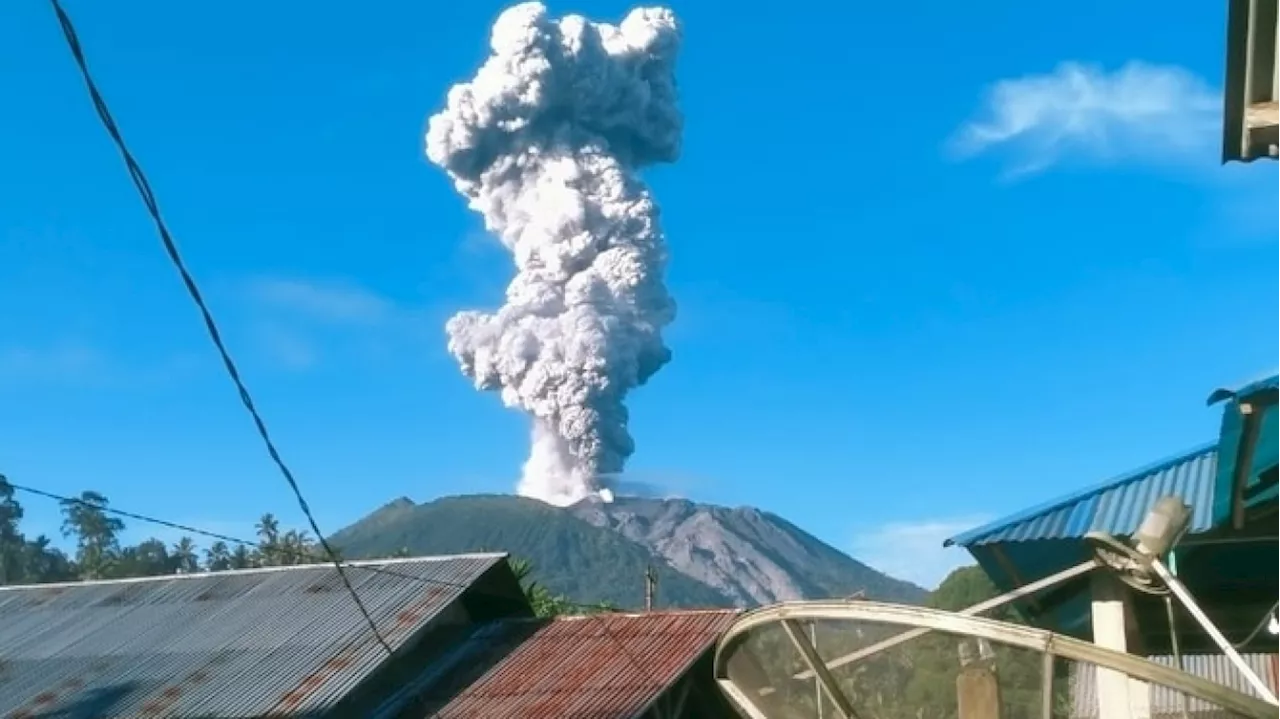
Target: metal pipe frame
column 998, row 632
column 979, row 608
column 1189, row 604
column 819, row 668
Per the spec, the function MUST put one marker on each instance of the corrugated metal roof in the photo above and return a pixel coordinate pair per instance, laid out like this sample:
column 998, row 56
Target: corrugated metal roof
column 280, row 641
column 606, row 666
column 1243, row 393
column 1117, row 506
column 1166, row 701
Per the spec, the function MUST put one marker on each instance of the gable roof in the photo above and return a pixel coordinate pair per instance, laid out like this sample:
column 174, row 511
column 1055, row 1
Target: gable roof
column 1116, row 506
column 604, row 666
column 244, row 643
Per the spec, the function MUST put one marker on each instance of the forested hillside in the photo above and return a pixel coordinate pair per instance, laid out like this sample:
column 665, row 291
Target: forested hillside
column 570, row 557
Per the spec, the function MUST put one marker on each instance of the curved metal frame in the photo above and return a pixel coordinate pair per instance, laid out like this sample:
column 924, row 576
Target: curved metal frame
column 1000, row 632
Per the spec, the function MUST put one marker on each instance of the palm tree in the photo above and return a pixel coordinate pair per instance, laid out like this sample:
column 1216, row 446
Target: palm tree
column 241, row 558
column 185, row 560
column 11, row 539
column 269, row 539
column 97, row 546
column 296, row 548
column 217, row 557
column 41, row 562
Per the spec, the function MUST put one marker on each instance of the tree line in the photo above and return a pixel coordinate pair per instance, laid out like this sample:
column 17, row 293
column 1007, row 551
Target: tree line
column 100, row 554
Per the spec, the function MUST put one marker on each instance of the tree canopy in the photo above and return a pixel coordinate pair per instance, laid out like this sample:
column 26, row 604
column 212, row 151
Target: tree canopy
column 88, row 522
column 917, row 678
column 98, row 553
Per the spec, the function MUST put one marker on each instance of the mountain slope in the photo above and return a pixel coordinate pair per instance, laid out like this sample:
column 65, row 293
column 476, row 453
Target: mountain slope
column 569, row 556
column 753, row 557
column 705, row 555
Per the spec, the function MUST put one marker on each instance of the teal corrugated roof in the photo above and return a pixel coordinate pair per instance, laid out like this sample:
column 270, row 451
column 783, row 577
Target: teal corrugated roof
column 1117, row 506
column 1271, row 383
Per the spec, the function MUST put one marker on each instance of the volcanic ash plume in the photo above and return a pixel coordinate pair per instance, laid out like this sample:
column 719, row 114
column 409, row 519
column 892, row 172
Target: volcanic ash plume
column 545, row 143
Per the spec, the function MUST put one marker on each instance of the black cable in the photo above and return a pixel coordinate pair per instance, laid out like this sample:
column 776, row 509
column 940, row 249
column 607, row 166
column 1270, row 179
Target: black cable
column 148, row 199
column 604, row 629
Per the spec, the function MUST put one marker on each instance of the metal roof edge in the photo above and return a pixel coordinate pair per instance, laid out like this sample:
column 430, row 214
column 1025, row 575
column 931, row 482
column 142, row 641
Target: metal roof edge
column 1264, row 381
column 685, row 669
column 255, row 570
column 965, row 538
column 413, row 689
column 642, row 615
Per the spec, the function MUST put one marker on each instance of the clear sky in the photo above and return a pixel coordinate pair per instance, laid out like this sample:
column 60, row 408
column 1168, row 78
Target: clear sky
column 935, row 262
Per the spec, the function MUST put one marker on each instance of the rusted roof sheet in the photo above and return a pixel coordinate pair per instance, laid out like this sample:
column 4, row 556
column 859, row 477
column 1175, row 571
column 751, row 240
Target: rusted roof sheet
column 280, row 641
column 605, row 666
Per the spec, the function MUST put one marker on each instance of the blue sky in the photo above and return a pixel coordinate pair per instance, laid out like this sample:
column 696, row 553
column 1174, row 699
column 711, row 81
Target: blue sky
column 935, row 262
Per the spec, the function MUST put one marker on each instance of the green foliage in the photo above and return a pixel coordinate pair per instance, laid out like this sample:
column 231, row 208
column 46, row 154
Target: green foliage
column 572, row 558
column 95, row 532
column 917, row 678
column 546, row 604
column 98, row 555
column 24, row 560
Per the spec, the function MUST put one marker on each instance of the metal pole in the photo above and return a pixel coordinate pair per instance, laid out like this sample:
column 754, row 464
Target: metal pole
column 979, row 608
column 1173, row 634
column 1046, row 685
column 1189, row 603
column 817, row 685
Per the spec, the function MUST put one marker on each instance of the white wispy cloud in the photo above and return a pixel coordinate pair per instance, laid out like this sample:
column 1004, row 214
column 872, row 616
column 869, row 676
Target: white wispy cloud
column 62, row 361
column 913, row 550
column 299, row 323
column 1139, row 111
column 286, row 346
column 334, row 301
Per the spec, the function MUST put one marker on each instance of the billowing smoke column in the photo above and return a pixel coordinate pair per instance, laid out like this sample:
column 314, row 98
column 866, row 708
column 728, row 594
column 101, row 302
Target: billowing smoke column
column 545, row 143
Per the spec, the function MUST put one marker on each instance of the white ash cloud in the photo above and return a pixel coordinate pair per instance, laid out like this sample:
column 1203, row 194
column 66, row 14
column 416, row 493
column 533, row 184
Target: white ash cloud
column 545, row 143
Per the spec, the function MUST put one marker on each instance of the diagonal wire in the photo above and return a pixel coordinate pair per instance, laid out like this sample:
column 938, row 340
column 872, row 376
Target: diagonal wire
column 148, row 199
column 303, row 554
column 604, row 628
column 285, row 551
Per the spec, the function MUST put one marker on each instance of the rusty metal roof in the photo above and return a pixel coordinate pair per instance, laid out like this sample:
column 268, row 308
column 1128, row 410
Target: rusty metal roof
column 605, row 666
column 280, row 641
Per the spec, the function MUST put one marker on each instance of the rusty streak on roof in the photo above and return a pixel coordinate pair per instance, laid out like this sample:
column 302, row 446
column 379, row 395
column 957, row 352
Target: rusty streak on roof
column 279, row 641
column 605, row 666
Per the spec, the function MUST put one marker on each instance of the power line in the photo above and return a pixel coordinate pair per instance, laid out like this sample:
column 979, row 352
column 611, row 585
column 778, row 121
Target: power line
column 288, row 552
column 301, row 554
column 148, row 198
column 153, row 208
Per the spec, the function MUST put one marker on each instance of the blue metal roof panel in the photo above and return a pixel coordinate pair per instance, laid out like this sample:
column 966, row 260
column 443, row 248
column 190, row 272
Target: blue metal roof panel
column 1117, row 506
column 1268, row 383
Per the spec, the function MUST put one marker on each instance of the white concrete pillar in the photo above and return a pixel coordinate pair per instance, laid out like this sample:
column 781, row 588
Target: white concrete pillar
column 1119, row 696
